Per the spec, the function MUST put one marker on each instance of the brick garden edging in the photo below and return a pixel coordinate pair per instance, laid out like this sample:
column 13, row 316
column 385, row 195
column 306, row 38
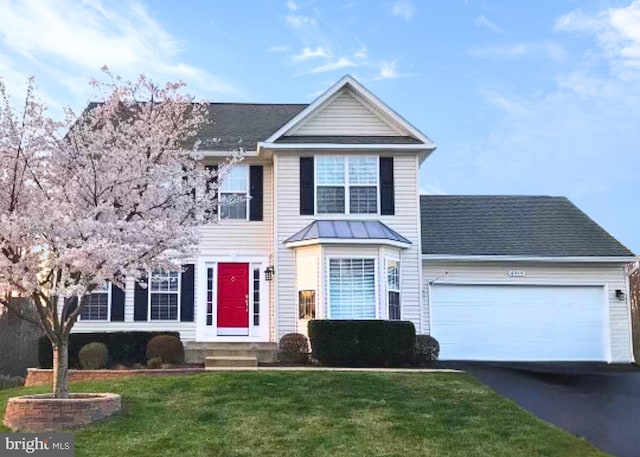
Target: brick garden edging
column 42, row 413
column 44, row 377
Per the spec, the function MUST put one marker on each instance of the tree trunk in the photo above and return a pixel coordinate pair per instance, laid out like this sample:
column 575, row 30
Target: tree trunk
column 61, row 367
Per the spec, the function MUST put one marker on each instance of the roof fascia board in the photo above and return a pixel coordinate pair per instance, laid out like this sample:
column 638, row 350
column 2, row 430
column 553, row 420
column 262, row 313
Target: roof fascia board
column 508, row 258
column 298, row 146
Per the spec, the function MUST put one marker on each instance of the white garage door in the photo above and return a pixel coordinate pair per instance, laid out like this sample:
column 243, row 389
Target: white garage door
column 520, row 323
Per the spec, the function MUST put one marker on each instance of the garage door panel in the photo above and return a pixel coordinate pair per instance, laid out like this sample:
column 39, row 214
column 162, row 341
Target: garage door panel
column 519, row 323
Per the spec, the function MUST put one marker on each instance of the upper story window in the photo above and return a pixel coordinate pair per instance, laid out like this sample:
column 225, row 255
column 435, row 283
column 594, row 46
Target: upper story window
column 97, row 304
column 346, row 185
column 164, row 294
column 234, row 193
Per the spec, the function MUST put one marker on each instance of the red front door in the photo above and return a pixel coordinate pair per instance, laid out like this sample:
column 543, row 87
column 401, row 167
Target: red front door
column 233, row 295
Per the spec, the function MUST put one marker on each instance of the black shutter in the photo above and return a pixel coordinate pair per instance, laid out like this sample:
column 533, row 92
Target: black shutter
column 306, row 186
column 187, row 293
column 140, row 301
column 117, row 303
column 71, row 305
column 213, row 211
column 256, row 192
column 387, row 199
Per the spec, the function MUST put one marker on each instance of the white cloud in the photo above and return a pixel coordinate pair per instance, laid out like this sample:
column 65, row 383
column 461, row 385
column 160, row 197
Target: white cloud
column 308, row 53
column 482, row 21
column 68, row 41
column 291, row 5
column 617, row 32
column 389, row 70
column 278, row 49
column 548, row 49
column 298, row 21
column 361, row 53
column 342, row 62
column 404, row 9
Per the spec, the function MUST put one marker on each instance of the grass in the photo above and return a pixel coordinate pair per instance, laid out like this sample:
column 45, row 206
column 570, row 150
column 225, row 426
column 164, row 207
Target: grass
column 315, row 414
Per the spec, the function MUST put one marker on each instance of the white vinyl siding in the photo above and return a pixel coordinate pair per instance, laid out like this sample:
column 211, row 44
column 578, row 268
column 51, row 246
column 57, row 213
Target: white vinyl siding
column 347, row 114
column 352, row 289
column 611, row 276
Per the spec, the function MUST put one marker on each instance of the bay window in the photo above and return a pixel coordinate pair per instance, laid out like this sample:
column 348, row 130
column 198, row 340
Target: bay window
column 352, row 293
column 346, row 185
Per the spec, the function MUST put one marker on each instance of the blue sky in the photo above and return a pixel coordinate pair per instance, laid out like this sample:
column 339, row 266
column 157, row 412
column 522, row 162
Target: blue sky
column 522, row 97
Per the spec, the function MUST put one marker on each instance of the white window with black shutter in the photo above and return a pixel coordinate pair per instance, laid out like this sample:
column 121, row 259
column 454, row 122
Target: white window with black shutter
column 241, row 193
column 346, row 185
column 165, row 296
column 97, row 304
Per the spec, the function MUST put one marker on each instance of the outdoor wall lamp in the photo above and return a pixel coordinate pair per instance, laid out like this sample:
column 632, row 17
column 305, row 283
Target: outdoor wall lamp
column 269, row 272
column 620, row 295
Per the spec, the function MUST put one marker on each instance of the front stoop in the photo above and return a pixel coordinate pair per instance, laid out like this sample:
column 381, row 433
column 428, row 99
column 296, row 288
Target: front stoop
column 218, row 363
column 198, row 352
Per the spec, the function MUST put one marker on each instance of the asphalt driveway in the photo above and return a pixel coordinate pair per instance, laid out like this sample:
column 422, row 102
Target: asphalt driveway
column 603, row 407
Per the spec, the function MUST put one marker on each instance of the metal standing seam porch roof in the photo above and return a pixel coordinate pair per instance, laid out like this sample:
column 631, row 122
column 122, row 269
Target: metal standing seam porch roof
column 328, row 231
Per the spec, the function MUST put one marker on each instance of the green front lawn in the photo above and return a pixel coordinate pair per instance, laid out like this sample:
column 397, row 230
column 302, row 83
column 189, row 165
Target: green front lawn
column 316, row 414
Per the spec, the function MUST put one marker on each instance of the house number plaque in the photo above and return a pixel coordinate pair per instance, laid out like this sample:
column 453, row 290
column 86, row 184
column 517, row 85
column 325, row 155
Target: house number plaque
column 516, row 273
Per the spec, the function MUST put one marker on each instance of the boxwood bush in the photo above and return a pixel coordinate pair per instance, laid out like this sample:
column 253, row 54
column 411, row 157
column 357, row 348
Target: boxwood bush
column 124, row 347
column 362, row 343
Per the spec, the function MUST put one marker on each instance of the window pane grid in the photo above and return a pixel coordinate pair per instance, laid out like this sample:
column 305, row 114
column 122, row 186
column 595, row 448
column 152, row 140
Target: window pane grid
column 352, row 288
column 363, row 200
column 256, row 296
column 164, row 289
column 164, row 306
column 346, row 180
column 96, row 307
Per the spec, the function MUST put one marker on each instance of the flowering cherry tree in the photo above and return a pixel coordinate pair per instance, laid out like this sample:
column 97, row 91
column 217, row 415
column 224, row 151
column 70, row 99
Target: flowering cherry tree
column 105, row 195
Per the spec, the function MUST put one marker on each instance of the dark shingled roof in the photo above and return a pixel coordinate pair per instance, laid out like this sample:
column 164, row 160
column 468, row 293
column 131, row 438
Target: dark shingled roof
column 347, row 230
column 512, row 225
column 349, row 139
column 243, row 125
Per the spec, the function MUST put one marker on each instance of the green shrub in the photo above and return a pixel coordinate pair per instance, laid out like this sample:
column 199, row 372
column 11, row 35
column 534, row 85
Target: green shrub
column 154, row 363
column 167, row 347
column 93, row 356
column 7, row 382
column 294, row 348
column 427, row 350
column 127, row 348
column 362, row 343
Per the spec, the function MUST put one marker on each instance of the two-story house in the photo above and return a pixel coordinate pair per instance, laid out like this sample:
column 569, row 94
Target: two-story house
column 331, row 226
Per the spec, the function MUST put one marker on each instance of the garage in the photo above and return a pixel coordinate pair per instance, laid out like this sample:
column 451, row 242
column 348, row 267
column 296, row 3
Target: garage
column 520, row 322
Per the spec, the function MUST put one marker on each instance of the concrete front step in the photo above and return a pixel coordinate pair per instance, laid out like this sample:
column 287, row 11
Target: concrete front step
column 200, row 351
column 215, row 363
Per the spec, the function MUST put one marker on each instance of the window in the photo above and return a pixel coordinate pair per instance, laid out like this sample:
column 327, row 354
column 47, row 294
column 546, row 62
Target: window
column 164, row 291
column 96, row 304
column 352, row 293
column 307, row 304
column 393, row 289
column 209, row 297
column 256, row 296
column 346, row 179
column 234, row 191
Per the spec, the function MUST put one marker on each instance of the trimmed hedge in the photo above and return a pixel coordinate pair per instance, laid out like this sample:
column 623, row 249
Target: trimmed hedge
column 362, row 343
column 124, row 347
column 167, row 347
